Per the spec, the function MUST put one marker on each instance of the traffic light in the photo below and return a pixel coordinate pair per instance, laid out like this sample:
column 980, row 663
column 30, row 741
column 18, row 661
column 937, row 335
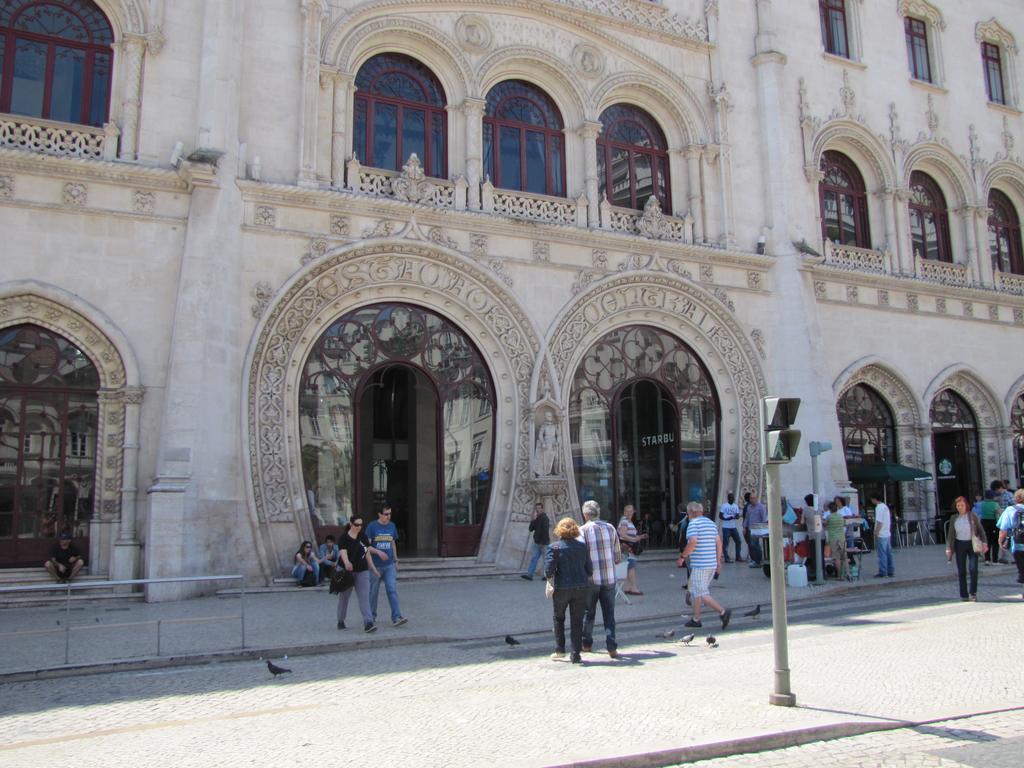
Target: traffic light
column 780, row 442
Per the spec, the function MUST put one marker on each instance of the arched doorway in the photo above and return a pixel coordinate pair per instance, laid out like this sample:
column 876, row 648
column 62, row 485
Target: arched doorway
column 1017, row 432
column 869, row 436
column 644, row 426
column 397, row 405
column 48, row 428
column 957, row 452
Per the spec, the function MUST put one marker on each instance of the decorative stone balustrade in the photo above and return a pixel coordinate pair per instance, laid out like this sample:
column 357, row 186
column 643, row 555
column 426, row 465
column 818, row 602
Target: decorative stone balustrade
column 652, row 223
column 412, row 185
column 1010, row 283
column 523, row 205
column 942, row 272
column 857, row 259
column 55, row 138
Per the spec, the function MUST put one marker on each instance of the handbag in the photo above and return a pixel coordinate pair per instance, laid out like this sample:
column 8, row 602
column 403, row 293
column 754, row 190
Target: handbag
column 341, row 580
column 789, row 517
column 979, row 546
column 549, row 584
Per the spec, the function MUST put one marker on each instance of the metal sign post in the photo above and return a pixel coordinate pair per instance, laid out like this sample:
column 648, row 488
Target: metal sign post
column 782, row 695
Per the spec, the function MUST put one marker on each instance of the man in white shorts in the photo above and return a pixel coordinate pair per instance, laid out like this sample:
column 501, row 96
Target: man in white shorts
column 704, row 549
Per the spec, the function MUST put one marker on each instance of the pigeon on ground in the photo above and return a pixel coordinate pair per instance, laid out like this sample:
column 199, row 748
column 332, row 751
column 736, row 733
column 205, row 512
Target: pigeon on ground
column 668, row 634
column 276, row 670
column 754, row 613
column 687, row 639
column 712, row 641
column 509, row 640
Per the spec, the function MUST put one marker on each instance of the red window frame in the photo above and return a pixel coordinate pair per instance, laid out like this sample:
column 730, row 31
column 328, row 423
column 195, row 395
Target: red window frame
column 10, row 34
column 834, row 33
column 657, row 151
column 918, row 55
column 551, row 128
column 1004, row 234
column 836, row 162
column 929, row 201
column 991, row 60
column 367, row 98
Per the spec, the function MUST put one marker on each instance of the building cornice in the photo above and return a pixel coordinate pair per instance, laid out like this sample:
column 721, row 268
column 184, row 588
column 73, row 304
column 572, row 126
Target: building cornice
column 101, row 171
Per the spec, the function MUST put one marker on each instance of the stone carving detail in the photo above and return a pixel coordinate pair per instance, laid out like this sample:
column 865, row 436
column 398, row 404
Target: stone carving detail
column 754, row 280
column 439, row 236
column 855, row 259
column 1011, row 283
column 942, row 272
column 6, row 186
column 940, row 305
column 617, row 299
column 80, row 141
column 75, row 195
column 478, row 245
column 932, row 118
column 1018, row 316
column 599, row 258
column 339, row 225
column 707, row 273
column 852, row 294
column 993, row 311
column 541, row 251
column 722, row 296
column 412, row 184
column 317, row 248
column 757, row 336
column 583, row 281
column 820, row 290
column 263, row 292
column 474, row 33
column 589, row 60
column 883, row 297
column 329, row 289
column 383, row 228
column 982, row 405
column 143, row 202
column 912, row 302
column 653, row 223
column 652, row 16
column 264, row 216
column 546, row 446
column 498, row 268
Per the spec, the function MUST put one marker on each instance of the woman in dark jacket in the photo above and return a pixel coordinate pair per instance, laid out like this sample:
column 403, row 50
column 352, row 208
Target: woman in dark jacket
column 959, row 532
column 567, row 563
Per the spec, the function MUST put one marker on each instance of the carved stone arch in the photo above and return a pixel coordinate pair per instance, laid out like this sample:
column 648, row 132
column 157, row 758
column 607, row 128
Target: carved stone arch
column 127, row 17
column 543, row 70
column 922, row 9
column 865, row 149
column 89, row 329
column 347, row 278
column 992, row 31
column 682, row 126
column 1008, row 178
column 685, row 310
column 988, row 411
column 347, row 48
column 946, row 168
column 1015, row 391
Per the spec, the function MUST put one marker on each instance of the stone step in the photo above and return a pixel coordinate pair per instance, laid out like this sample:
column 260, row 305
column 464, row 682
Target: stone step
column 57, row 594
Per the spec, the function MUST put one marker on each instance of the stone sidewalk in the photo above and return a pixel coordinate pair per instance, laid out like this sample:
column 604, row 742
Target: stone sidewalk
column 107, row 636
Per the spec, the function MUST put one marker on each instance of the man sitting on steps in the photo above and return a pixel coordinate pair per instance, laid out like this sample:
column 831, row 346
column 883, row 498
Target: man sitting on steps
column 65, row 560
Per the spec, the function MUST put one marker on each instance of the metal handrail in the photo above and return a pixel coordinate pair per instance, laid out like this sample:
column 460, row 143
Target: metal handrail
column 67, row 589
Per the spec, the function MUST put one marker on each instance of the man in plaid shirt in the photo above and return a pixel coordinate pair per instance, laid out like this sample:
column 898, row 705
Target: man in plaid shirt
column 603, row 543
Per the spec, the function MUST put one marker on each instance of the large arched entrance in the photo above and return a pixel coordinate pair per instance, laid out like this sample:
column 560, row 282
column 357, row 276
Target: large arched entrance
column 957, row 451
column 1017, row 435
column 644, row 425
column 396, row 406
column 49, row 412
column 869, row 437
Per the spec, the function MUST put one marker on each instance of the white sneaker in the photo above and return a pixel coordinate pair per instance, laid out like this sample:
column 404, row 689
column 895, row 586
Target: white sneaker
column 558, row 656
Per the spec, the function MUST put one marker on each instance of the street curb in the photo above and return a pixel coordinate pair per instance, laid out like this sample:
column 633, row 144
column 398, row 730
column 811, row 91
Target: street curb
column 765, row 742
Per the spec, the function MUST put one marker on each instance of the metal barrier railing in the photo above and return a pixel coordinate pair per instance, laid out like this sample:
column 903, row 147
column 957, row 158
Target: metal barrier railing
column 159, row 623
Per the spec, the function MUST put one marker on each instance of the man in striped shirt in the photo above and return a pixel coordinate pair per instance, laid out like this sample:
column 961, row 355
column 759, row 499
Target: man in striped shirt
column 603, row 543
column 704, row 549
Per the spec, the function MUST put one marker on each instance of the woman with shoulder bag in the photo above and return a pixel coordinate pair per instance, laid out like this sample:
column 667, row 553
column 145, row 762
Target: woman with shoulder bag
column 965, row 538
column 354, row 548
column 567, row 564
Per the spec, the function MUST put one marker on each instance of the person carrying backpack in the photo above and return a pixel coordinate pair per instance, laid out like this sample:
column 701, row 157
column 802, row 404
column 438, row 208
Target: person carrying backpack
column 1011, row 532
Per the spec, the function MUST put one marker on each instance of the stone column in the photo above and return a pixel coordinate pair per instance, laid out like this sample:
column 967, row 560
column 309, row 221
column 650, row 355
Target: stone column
column 924, row 436
column 966, row 216
column 132, row 49
column 313, row 13
column 720, row 98
column 125, row 563
column 887, row 196
column 589, row 132
column 677, row 182
column 905, row 252
column 341, row 119
column 473, row 113
column 978, row 221
column 693, row 190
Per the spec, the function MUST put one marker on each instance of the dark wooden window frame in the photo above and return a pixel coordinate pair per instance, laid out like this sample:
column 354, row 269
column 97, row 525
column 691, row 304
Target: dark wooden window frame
column 927, row 184
column 916, row 33
column 658, row 151
column 415, row 70
column 857, row 192
column 829, row 11
column 553, row 136
column 992, row 61
column 10, row 35
column 1004, row 227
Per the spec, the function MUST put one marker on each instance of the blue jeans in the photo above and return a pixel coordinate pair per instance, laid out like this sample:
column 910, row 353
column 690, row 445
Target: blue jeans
column 731, row 533
column 606, row 595
column 389, row 576
column 883, row 548
column 754, row 545
column 299, row 572
column 538, row 553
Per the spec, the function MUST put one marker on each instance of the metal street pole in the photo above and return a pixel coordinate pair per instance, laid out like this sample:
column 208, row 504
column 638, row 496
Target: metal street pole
column 782, row 696
column 817, row 448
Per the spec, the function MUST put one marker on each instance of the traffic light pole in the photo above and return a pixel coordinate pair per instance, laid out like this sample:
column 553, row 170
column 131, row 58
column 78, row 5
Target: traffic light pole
column 782, row 695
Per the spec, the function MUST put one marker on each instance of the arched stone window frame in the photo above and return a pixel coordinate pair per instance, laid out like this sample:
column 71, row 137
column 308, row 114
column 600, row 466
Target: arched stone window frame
column 854, row 41
column 114, row 520
column 928, row 199
column 994, row 33
column 833, row 162
column 934, row 25
column 1004, row 231
column 656, row 153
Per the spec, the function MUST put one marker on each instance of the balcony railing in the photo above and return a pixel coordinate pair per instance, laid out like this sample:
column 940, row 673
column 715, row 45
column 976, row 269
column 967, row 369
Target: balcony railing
column 1010, row 282
column 857, row 259
column 941, row 272
column 63, row 139
column 410, row 185
column 524, row 205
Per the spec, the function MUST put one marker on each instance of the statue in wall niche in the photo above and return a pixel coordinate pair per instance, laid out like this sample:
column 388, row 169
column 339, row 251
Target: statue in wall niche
column 545, row 453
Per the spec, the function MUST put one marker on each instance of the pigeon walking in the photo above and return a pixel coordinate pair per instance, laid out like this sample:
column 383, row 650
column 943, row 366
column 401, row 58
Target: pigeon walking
column 712, row 641
column 668, row 634
column 276, row 670
column 509, row 640
column 687, row 639
column 754, row 613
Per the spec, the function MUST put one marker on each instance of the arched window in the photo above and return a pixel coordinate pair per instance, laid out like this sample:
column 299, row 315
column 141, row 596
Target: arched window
column 632, row 158
column 844, row 203
column 55, row 60
column 399, row 111
column 1004, row 234
column 523, row 143
column 929, row 220
column 956, row 448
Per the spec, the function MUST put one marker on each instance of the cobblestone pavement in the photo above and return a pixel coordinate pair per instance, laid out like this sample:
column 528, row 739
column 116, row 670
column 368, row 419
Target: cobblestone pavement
column 983, row 741
column 905, row 654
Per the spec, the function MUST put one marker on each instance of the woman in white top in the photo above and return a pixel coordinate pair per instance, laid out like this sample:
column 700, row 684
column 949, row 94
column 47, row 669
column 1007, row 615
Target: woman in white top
column 729, row 514
column 629, row 537
column 961, row 529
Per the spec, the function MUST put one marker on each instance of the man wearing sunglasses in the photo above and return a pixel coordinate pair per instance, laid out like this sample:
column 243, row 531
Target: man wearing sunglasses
column 383, row 536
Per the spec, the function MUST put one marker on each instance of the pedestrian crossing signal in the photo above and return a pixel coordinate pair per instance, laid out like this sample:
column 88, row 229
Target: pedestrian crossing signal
column 780, row 441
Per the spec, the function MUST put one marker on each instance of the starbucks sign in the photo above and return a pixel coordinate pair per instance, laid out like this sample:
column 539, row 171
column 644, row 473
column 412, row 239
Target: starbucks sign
column 946, row 467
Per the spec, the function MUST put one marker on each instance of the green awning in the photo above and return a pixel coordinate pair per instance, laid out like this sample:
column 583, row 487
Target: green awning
column 885, row 472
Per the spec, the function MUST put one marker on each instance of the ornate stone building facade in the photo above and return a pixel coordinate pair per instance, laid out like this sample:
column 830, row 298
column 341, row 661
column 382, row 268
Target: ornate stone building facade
column 269, row 264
